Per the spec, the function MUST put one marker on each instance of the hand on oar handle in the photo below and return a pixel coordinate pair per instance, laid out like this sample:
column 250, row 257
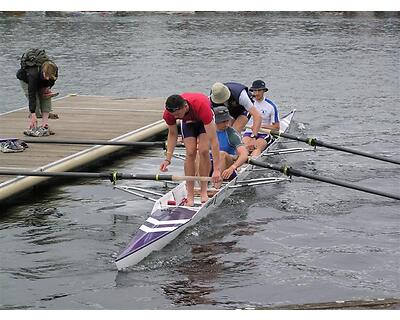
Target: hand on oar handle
column 261, row 130
column 216, row 176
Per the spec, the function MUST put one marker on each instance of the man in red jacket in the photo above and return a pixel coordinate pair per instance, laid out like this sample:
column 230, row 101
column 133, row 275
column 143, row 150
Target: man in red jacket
column 199, row 132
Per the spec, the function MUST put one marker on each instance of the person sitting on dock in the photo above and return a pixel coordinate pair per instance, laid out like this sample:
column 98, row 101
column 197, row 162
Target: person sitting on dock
column 236, row 98
column 199, row 132
column 233, row 152
column 37, row 75
column 270, row 120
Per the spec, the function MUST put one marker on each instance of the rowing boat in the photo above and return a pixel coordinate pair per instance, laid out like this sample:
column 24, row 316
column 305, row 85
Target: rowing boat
column 169, row 217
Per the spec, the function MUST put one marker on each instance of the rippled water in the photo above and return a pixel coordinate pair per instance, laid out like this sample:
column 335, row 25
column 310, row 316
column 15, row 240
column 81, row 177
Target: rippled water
column 293, row 243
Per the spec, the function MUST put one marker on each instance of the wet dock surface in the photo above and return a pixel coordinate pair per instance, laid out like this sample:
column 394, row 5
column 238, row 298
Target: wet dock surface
column 80, row 118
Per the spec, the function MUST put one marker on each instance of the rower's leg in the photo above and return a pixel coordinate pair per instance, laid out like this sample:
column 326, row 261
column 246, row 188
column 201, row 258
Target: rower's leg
column 225, row 161
column 205, row 164
column 260, row 146
column 249, row 143
column 197, row 164
column 191, row 151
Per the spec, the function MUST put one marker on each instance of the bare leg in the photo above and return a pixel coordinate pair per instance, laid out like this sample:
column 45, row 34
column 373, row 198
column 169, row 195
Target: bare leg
column 205, row 164
column 249, row 143
column 225, row 162
column 240, row 123
column 228, row 160
column 191, row 151
column 260, row 146
column 197, row 164
column 45, row 119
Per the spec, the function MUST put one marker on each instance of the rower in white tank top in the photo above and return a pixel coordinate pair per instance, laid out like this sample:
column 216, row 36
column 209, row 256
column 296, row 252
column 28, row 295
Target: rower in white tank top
column 269, row 113
column 270, row 120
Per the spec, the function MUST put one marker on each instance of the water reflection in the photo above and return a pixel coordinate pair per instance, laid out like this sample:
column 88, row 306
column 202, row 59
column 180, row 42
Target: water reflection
column 199, row 275
column 340, row 71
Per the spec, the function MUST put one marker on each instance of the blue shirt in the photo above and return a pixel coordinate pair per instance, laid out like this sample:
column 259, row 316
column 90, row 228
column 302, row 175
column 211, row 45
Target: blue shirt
column 229, row 140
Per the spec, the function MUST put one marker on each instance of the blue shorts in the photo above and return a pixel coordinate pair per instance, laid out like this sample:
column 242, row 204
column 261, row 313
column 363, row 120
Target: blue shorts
column 192, row 129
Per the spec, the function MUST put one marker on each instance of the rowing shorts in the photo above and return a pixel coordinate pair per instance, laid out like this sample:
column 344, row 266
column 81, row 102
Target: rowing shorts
column 241, row 112
column 234, row 111
column 192, row 129
column 264, row 136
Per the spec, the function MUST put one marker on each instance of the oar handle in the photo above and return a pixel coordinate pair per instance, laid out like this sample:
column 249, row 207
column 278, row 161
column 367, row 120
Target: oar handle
column 262, row 130
column 112, row 176
column 191, row 178
column 157, row 177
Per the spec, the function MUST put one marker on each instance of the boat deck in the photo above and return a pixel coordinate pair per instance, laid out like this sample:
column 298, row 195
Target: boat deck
column 80, row 118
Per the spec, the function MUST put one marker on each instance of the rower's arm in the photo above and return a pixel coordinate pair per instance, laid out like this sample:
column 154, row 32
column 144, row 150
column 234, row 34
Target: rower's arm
column 243, row 154
column 273, row 126
column 171, row 141
column 257, row 119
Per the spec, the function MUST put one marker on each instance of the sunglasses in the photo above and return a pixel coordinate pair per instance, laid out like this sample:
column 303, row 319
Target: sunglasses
column 172, row 109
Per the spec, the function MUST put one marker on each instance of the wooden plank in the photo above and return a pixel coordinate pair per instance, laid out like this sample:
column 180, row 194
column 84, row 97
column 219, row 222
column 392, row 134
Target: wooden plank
column 81, row 117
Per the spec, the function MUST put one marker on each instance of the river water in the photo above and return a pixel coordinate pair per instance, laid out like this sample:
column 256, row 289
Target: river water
column 295, row 243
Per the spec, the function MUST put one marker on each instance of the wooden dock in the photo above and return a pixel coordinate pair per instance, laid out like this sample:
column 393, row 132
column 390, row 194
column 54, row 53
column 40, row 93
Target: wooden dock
column 80, row 118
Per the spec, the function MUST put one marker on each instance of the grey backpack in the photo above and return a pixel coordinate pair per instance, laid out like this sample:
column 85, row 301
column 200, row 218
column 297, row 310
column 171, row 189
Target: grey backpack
column 33, row 58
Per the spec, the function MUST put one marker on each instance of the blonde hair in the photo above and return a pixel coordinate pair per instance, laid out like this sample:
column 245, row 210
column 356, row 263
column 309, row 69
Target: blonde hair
column 50, row 69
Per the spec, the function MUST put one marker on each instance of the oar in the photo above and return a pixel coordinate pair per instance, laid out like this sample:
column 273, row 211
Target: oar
column 315, row 142
column 98, row 142
column 112, row 176
column 293, row 172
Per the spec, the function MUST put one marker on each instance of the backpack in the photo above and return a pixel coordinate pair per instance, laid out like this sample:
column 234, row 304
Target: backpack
column 33, row 58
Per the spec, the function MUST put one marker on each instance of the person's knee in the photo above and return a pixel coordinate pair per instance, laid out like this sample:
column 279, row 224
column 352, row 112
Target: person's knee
column 191, row 154
column 262, row 145
column 204, row 153
column 223, row 156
